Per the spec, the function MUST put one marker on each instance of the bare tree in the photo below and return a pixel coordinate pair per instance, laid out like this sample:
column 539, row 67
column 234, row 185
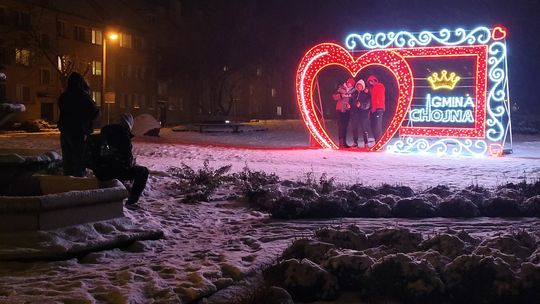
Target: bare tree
column 30, row 36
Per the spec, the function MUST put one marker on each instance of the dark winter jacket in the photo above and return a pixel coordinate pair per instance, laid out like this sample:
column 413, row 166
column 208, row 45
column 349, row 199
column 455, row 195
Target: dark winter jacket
column 77, row 109
column 114, row 155
column 364, row 98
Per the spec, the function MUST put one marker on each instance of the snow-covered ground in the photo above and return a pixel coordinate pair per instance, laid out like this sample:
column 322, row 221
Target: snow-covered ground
column 208, row 246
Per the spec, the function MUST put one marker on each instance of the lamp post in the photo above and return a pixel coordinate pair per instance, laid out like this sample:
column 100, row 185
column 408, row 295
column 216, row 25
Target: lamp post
column 112, row 37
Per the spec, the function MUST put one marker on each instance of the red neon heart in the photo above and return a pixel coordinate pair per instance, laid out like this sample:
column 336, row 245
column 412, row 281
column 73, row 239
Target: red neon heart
column 326, row 54
column 498, row 33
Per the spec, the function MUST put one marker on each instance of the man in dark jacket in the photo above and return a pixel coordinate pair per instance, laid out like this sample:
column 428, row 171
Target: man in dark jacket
column 116, row 160
column 77, row 111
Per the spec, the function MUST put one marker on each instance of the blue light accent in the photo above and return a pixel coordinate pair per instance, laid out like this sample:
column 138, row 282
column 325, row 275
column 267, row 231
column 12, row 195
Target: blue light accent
column 459, row 36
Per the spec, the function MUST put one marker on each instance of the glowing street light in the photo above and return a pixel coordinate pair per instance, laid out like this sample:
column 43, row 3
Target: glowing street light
column 108, row 98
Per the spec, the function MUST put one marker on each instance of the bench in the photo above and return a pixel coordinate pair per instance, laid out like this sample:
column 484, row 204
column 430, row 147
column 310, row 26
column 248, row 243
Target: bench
column 233, row 126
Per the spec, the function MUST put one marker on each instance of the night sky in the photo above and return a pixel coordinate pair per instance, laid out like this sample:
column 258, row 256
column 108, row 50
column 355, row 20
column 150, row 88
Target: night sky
column 281, row 31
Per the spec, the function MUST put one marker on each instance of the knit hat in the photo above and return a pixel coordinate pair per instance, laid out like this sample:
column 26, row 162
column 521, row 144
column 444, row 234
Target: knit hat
column 350, row 81
column 126, row 120
column 362, row 83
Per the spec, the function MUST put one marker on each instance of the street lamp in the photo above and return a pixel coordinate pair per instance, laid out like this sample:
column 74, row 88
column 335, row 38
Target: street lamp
column 108, row 99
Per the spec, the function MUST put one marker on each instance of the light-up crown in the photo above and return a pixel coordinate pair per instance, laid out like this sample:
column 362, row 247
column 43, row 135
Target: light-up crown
column 444, row 81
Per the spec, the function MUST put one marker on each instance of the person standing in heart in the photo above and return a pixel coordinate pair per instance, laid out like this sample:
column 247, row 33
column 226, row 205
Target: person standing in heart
column 377, row 92
column 360, row 105
column 343, row 107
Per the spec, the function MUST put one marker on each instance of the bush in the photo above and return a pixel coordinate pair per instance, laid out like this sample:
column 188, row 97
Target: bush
column 253, row 184
column 201, row 183
column 413, row 208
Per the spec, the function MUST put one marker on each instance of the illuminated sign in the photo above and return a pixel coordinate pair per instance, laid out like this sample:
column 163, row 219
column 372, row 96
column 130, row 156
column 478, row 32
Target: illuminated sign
column 451, row 89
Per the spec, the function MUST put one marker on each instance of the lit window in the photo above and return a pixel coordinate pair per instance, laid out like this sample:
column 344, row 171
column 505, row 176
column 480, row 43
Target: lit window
column 125, row 40
column 64, row 61
column 96, row 96
column 279, row 111
column 259, row 71
column 97, row 37
column 22, row 56
column 273, row 92
column 96, row 67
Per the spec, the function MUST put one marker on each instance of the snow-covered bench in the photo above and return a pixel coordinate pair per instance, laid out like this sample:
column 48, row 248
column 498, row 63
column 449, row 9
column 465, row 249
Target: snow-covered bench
column 61, row 201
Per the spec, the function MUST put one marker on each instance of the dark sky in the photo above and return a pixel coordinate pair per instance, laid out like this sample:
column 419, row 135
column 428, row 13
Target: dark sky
column 291, row 27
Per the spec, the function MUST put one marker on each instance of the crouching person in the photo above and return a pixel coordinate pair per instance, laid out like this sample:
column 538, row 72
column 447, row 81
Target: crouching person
column 113, row 158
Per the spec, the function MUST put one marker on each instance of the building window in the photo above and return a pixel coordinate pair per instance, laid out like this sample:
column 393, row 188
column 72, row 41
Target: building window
column 136, row 100
column 121, row 100
column 96, row 96
column 96, row 67
column 162, row 88
column 151, row 19
column 3, row 55
column 279, row 111
column 136, row 72
column 251, row 90
column 97, row 37
column 129, row 101
column 125, row 40
column 172, row 103
column 62, row 60
column 3, row 19
column 137, row 43
column 22, row 20
column 142, row 101
column 61, row 28
column 150, row 102
column 259, row 71
column 45, row 76
column 273, row 92
column 80, row 33
column 23, row 93
column 22, row 56
column 181, row 104
column 45, row 41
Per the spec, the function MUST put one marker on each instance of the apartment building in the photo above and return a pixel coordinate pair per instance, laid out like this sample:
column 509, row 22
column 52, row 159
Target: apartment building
column 41, row 42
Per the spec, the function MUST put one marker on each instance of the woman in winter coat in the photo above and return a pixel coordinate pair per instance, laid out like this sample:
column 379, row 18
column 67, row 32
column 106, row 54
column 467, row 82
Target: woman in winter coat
column 77, row 111
column 360, row 106
column 377, row 92
column 342, row 98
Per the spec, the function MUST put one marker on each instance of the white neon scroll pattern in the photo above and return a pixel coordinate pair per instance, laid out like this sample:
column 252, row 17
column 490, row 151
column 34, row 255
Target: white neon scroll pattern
column 497, row 92
column 440, row 147
column 479, row 35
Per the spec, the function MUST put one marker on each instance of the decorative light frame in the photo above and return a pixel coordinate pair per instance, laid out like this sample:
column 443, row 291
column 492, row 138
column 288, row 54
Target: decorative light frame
column 491, row 134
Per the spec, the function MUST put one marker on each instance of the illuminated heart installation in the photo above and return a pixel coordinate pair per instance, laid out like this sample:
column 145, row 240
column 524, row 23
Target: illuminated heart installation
column 327, row 54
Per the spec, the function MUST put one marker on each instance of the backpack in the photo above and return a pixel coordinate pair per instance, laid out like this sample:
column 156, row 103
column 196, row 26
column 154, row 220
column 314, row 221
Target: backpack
column 98, row 153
